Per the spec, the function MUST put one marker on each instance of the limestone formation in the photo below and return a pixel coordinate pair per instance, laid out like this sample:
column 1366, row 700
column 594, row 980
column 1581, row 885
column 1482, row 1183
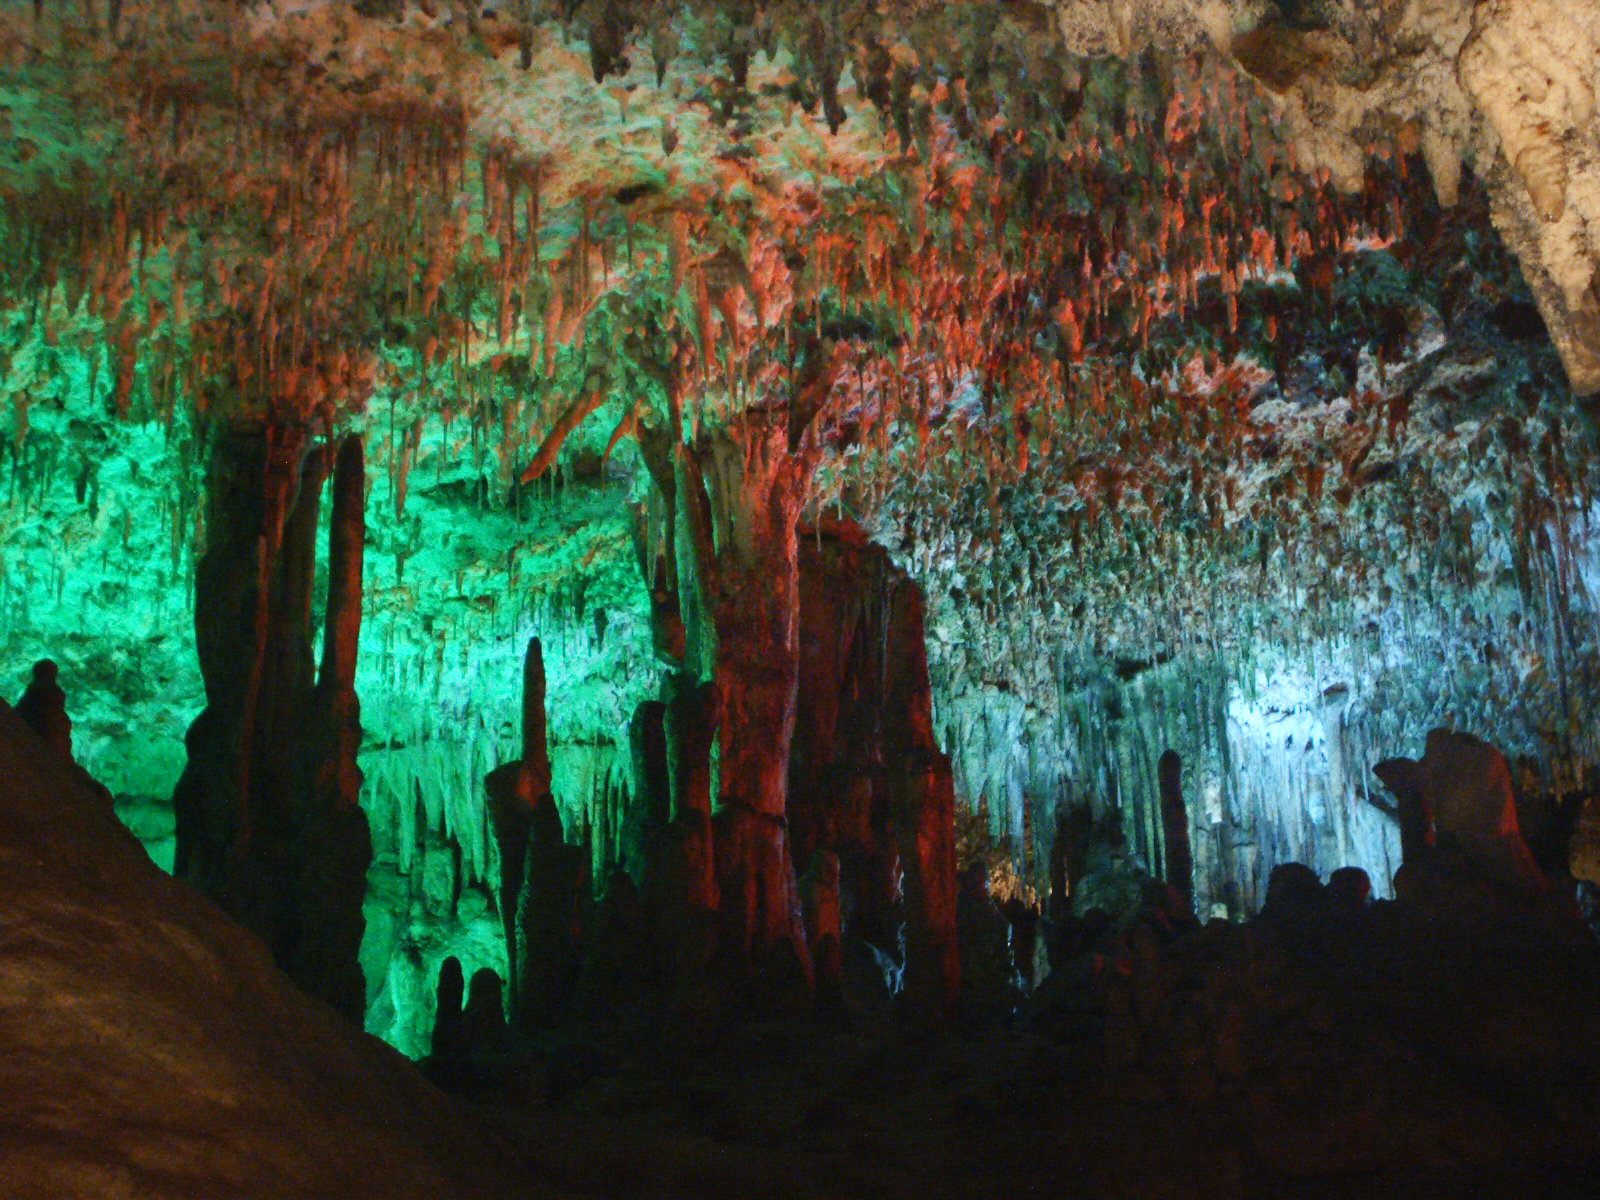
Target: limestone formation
column 1459, row 798
column 1292, row 886
column 1175, row 826
column 515, row 790
column 449, row 1030
column 1349, row 889
column 333, row 844
column 619, row 963
column 1403, row 778
column 549, row 924
column 988, row 973
column 1466, row 785
column 1505, row 85
column 692, row 718
column 43, row 705
column 166, row 1028
column 825, row 922
column 483, row 1019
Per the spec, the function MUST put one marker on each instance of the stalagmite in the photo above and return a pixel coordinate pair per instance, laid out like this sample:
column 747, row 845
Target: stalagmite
column 923, row 791
column 549, row 926
column 824, row 923
column 334, row 844
column 515, row 790
column 234, row 803
column 267, row 812
column 1179, row 860
column 449, row 1032
column 43, row 705
column 689, row 894
column 738, row 578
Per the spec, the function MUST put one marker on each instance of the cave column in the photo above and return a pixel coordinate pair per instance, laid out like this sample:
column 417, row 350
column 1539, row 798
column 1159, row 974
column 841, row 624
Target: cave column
column 268, row 807
column 1176, row 852
column 335, row 843
column 515, row 790
column 740, row 505
column 922, row 786
column 234, row 802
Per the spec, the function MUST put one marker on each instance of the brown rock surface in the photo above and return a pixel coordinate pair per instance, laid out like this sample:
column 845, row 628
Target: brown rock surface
column 153, row 1050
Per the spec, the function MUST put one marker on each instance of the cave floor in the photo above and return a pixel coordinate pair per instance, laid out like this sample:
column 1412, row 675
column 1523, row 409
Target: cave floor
column 845, row 1107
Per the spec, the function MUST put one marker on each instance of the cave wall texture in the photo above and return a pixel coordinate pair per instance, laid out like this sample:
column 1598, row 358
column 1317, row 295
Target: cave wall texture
column 1220, row 373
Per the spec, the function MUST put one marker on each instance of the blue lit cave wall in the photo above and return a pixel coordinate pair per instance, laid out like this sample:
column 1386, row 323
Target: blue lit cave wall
column 1283, row 676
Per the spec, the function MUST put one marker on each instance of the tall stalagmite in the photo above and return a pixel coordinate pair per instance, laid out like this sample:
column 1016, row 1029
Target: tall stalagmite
column 515, row 790
column 334, row 844
column 923, row 789
column 739, row 570
column 252, row 633
column 871, row 797
column 267, row 817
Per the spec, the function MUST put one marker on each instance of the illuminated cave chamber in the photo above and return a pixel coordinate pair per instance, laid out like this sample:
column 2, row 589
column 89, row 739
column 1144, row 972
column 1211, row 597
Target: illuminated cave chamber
column 1053, row 458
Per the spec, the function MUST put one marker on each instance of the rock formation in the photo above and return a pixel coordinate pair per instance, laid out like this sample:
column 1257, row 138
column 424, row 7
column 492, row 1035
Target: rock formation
column 267, row 817
column 515, row 790
column 125, row 987
column 1458, row 798
column 788, row 462
column 43, row 706
column 1507, row 87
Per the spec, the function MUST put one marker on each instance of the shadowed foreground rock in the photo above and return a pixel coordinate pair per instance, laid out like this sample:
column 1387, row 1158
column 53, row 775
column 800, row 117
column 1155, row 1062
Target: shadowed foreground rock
column 153, row 1050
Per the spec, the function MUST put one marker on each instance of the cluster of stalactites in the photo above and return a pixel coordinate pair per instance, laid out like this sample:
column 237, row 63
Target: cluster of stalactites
column 250, row 256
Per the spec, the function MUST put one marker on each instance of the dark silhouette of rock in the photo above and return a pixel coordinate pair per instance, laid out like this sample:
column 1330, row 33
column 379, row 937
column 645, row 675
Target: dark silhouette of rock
column 1459, row 797
column 1024, row 921
column 332, row 848
column 1175, row 825
column 692, row 718
column 43, row 706
column 1068, row 856
column 1401, row 776
column 988, row 977
column 515, row 790
column 449, row 1028
column 549, row 925
column 1293, row 890
column 1467, row 788
column 871, row 976
column 825, row 923
column 618, row 965
column 169, row 1056
column 923, row 809
column 483, row 1020
column 1349, row 889
column 267, row 819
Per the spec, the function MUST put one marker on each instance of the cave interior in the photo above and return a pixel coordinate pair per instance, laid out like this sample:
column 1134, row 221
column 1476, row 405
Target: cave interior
column 687, row 597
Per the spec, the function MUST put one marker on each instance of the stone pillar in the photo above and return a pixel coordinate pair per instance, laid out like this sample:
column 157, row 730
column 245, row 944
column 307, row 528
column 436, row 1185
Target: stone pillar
column 1175, row 827
column 924, row 809
column 268, row 814
column 234, row 801
column 515, row 790
column 335, row 844
column 688, row 895
column 824, row 922
column 549, row 924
